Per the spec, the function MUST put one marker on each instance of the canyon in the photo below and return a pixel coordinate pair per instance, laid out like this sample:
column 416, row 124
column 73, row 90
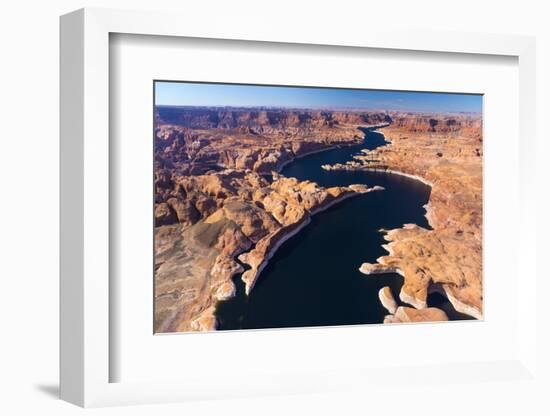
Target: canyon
column 222, row 209
column 219, row 203
column 446, row 153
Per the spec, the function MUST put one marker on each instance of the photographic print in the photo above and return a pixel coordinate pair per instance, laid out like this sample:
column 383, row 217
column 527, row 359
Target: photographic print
column 285, row 207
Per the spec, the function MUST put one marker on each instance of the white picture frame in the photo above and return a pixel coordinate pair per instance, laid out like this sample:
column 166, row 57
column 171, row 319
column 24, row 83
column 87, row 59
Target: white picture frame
column 85, row 264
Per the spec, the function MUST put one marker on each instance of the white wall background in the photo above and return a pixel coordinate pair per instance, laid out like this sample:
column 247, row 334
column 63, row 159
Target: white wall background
column 29, row 56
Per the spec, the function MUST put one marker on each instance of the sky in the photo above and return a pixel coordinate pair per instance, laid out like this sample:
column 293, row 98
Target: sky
column 235, row 95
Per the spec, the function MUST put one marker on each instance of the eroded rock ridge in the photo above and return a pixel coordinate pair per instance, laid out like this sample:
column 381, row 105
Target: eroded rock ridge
column 444, row 151
column 221, row 206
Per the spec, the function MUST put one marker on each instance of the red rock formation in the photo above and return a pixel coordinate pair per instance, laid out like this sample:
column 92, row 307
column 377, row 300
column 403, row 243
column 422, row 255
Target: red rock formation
column 195, row 264
column 212, row 203
column 446, row 152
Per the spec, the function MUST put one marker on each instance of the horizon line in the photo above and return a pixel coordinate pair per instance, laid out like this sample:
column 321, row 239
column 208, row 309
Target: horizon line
column 326, row 108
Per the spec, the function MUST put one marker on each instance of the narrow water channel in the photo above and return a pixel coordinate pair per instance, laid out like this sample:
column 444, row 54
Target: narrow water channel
column 313, row 279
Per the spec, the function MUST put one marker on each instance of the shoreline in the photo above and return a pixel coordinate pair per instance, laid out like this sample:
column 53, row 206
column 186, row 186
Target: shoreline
column 273, row 250
column 457, row 304
column 391, row 171
column 398, row 173
column 426, row 182
column 337, row 146
column 250, row 285
column 313, row 152
column 383, row 170
column 427, row 206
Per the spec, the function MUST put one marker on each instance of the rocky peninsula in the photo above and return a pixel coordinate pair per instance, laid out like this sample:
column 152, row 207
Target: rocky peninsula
column 444, row 151
column 221, row 207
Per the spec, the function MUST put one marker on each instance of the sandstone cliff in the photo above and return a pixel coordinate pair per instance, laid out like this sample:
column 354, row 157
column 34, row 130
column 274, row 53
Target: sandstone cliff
column 219, row 203
column 193, row 141
column 445, row 152
column 220, row 206
column 194, row 265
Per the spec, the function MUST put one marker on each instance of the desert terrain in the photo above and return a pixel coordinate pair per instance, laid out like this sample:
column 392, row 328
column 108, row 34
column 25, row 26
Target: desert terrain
column 222, row 209
column 220, row 205
column 446, row 153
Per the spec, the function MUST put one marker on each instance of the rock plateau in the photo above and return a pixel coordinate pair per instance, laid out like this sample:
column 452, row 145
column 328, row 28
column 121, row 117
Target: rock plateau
column 221, row 206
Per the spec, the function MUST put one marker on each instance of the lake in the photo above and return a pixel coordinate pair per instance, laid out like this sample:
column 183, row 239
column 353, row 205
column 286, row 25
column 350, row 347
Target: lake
column 313, row 279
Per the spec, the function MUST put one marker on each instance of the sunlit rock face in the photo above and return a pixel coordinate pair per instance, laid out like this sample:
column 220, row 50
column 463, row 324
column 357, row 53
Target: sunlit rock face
column 446, row 152
column 215, row 209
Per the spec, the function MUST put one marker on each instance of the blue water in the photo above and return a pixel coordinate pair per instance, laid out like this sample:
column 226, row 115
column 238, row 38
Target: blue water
column 313, row 279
